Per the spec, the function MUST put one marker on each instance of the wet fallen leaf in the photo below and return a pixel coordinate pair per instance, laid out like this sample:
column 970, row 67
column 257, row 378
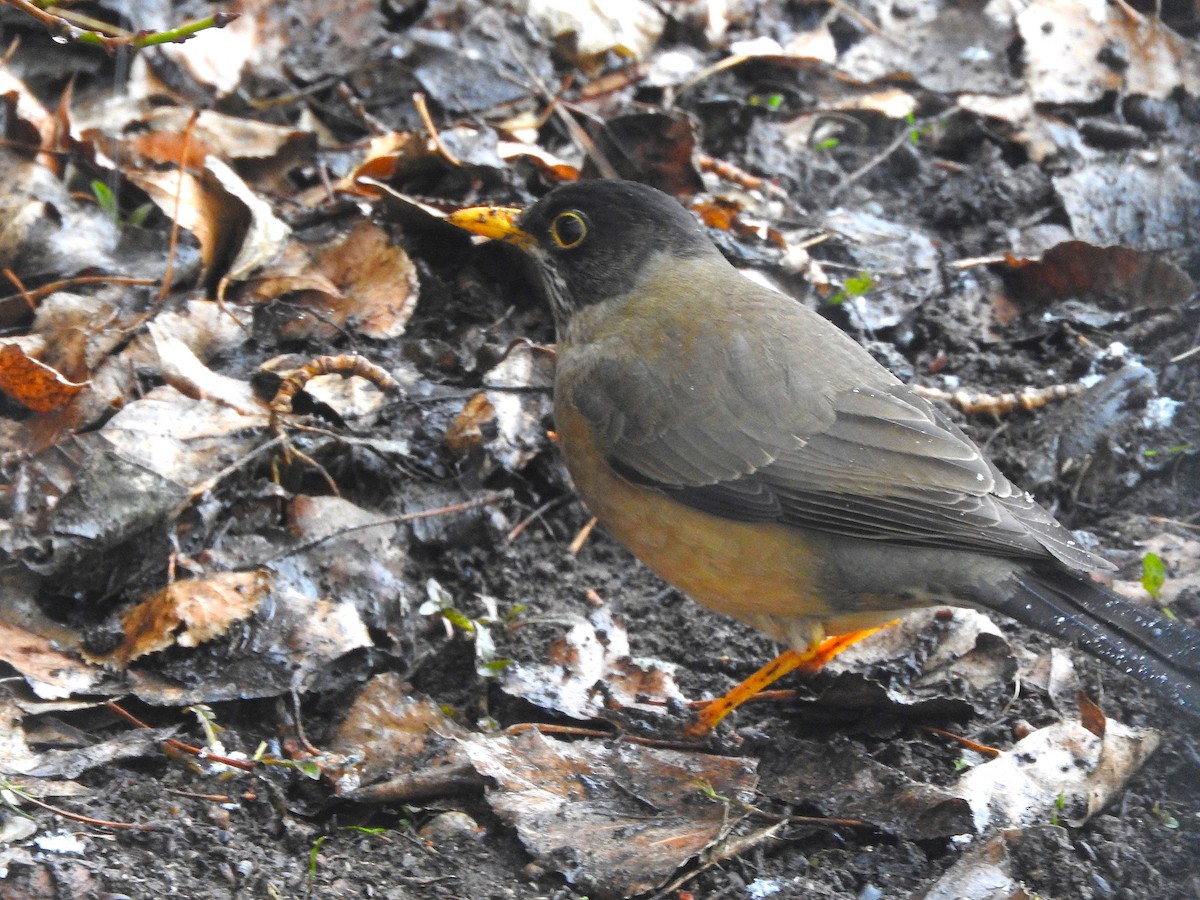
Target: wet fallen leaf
column 34, row 384
column 840, row 779
column 1112, row 277
column 187, row 613
column 1062, row 771
column 390, row 731
column 1145, row 206
column 616, row 819
column 589, row 670
column 959, row 49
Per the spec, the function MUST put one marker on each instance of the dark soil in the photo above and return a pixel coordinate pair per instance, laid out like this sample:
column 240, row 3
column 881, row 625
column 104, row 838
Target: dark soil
column 278, row 834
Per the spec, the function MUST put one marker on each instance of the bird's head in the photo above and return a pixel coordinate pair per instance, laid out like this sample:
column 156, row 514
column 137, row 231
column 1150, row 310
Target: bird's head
column 595, row 240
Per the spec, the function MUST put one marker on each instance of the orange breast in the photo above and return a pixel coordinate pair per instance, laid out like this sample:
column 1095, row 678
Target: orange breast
column 742, row 570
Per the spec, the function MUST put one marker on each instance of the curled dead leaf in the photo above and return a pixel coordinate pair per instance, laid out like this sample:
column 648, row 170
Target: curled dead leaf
column 188, row 613
column 34, row 384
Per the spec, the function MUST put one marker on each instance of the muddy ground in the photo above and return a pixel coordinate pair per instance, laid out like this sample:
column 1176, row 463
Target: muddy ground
column 278, row 833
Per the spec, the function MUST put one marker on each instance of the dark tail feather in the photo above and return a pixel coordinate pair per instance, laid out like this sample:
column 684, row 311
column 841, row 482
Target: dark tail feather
column 1145, row 644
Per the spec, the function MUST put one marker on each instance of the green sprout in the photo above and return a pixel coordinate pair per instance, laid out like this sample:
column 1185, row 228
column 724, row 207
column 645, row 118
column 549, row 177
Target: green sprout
column 106, row 199
column 710, row 792
column 312, row 857
column 1167, row 451
column 772, row 102
column 1060, row 803
column 915, row 133
column 440, row 602
column 1154, row 573
column 1164, row 816
column 854, row 286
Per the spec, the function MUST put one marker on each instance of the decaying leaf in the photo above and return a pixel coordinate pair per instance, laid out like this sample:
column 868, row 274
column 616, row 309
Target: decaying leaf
column 391, row 732
column 33, row 383
column 188, row 613
column 50, row 673
column 1062, row 770
column 589, row 670
column 616, row 819
column 1111, row 277
column 841, row 779
column 1075, row 51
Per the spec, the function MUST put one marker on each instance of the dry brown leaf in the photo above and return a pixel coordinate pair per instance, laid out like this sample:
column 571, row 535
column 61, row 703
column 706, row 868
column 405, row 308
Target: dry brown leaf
column 174, row 360
column 556, row 168
column 218, row 58
column 1091, row 716
column 236, row 229
column 34, row 384
column 26, row 114
column 1113, row 277
column 377, row 279
column 188, row 613
column 50, row 673
column 466, row 431
column 386, row 154
column 215, row 218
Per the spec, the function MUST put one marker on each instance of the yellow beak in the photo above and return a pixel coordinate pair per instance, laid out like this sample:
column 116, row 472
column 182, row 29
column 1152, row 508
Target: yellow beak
column 495, row 222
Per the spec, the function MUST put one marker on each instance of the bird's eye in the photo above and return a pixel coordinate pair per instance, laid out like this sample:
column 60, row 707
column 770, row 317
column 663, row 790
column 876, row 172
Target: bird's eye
column 568, row 230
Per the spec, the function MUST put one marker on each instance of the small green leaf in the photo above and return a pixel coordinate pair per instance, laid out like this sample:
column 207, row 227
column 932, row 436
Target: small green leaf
column 857, row 285
column 312, row 857
column 459, row 620
column 138, row 217
column 492, row 668
column 710, row 792
column 1154, row 573
column 1165, row 817
column 105, row 199
column 827, row 144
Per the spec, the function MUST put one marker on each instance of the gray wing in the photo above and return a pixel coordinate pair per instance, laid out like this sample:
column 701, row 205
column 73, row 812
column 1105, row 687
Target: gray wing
column 872, row 461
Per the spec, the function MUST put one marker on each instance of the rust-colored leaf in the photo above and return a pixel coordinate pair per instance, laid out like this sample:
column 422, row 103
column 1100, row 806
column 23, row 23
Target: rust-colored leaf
column 1112, row 277
column 188, row 613
column 466, row 431
column 34, row 384
column 1091, row 716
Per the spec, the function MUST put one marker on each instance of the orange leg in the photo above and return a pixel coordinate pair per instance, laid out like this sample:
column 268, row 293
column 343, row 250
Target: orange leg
column 809, row 660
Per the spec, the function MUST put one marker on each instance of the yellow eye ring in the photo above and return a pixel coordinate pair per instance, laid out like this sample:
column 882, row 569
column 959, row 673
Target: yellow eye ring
column 568, row 230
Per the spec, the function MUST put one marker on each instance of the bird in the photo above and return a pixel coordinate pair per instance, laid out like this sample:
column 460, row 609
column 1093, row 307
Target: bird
column 757, row 458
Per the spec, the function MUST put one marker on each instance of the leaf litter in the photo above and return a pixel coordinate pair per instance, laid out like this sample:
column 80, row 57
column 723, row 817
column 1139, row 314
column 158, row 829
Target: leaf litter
column 978, row 206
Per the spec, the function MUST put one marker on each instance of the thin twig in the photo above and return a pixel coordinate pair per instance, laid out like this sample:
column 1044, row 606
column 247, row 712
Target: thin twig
column 418, row 100
column 76, row 817
column 41, row 293
column 173, row 241
column 454, row 508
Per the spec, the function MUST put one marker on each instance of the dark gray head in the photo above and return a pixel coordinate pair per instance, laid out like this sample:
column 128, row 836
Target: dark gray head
column 591, row 240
